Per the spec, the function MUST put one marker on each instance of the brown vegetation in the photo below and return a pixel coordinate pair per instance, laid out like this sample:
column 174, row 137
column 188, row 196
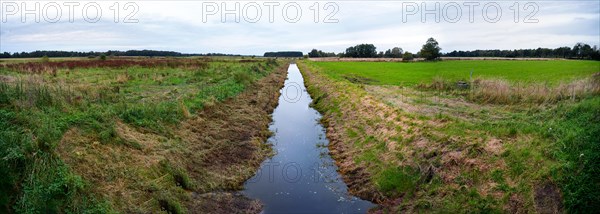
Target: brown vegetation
column 503, row 92
column 52, row 67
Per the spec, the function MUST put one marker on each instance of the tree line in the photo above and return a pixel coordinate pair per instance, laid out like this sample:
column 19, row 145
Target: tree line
column 284, row 54
column 579, row 51
column 431, row 51
column 150, row 53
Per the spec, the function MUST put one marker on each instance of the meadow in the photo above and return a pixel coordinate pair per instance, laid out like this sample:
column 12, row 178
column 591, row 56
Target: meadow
column 396, row 73
column 521, row 136
column 132, row 134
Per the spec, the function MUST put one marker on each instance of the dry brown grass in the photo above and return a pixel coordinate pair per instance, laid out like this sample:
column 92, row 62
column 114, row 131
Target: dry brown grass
column 122, row 78
column 53, row 66
column 497, row 91
column 7, row 79
column 503, row 92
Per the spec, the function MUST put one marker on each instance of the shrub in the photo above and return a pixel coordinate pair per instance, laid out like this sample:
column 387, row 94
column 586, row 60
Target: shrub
column 407, row 56
column 430, row 50
column 45, row 59
column 170, row 205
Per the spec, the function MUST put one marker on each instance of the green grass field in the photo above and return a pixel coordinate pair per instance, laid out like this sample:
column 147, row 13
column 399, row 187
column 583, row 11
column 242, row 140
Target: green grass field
column 396, row 73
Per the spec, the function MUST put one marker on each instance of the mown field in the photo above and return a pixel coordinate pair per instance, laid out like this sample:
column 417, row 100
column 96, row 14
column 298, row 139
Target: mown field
column 519, row 137
column 133, row 135
column 389, row 73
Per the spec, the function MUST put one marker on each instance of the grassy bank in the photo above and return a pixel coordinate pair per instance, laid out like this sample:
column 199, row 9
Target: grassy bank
column 139, row 135
column 421, row 148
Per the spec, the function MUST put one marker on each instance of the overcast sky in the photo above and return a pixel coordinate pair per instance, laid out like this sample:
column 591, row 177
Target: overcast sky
column 197, row 27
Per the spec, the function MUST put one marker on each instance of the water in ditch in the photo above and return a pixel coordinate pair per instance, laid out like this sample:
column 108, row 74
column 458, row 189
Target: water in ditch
column 301, row 177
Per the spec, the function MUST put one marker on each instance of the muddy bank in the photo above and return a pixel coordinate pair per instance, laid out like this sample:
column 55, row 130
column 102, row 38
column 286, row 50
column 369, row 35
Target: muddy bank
column 192, row 166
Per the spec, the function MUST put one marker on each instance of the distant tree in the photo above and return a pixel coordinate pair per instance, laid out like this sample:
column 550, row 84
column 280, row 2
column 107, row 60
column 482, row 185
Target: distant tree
column 103, row 57
column 284, row 54
column 407, row 56
column 595, row 53
column 362, row 51
column 430, row 50
column 587, row 51
column 577, row 50
column 396, row 52
column 314, row 53
column 563, row 52
column 388, row 53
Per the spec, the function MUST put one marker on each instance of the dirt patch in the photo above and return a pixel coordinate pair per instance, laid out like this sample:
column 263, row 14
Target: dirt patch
column 358, row 79
column 516, row 204
column 547, row 198
column 494, row 146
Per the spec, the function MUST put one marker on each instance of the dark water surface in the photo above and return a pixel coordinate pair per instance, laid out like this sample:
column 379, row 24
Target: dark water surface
column 301, row 177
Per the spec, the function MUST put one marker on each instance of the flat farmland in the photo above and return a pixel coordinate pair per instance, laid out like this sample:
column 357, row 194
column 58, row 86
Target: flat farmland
column 412, row 73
